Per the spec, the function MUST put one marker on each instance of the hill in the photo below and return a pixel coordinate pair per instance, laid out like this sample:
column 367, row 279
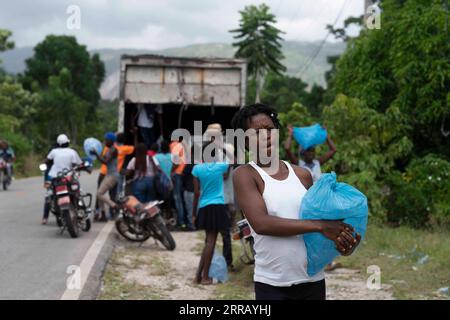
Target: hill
column 296, row 55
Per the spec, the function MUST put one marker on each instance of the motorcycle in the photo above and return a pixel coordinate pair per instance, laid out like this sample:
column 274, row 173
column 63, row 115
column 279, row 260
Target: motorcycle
column 244, row 235
column 68, row 203
column 138, row 222
column 5, row 179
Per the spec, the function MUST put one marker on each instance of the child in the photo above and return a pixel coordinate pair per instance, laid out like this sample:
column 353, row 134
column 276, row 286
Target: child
column 309, row 161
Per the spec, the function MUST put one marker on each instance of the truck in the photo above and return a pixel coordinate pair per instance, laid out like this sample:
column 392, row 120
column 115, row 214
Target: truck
column 210, row 90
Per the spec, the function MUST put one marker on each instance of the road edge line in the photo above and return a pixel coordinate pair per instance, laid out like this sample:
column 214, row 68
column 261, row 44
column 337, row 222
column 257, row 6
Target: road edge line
column 88, row 261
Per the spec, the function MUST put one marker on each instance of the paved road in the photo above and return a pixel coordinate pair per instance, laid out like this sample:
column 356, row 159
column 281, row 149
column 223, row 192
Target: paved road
column 34, row 258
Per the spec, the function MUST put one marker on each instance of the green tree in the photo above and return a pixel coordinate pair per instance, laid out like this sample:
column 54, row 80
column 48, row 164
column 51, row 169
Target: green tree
column 56, row 53
column 68, row 79
column 405, row 64
column 259, row 41
column 67, row 110
column 281, row 91
column 5, row 44
column 17, row 108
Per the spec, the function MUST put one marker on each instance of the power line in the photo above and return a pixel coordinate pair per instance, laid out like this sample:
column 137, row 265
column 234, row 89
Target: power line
column 308, row 63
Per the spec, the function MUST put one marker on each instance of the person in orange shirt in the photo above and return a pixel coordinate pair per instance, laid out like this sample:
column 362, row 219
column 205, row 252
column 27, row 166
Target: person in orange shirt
column 101, row 176
column 123, row 151
column 179, row 162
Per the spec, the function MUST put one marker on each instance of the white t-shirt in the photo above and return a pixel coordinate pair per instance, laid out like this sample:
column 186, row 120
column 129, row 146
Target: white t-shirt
column 150, row 172
column 143, row 120
column 63, row 158
column 314, row 168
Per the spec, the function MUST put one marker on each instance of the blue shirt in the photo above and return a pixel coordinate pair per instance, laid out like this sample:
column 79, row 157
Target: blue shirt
column 165, row 162
column 210, row 176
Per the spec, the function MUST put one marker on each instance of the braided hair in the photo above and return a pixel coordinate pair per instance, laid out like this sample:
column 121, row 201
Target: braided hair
column 242, row 118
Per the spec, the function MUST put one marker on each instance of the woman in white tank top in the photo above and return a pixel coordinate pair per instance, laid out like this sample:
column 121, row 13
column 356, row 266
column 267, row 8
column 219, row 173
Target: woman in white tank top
column 270, row 200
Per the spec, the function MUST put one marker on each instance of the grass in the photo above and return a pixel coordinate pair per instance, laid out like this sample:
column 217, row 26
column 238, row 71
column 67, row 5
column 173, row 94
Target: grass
column 117, row 287
column 398, row 252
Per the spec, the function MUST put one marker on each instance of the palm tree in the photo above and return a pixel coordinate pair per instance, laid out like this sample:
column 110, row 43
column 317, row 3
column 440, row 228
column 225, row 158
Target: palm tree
column 259, row 43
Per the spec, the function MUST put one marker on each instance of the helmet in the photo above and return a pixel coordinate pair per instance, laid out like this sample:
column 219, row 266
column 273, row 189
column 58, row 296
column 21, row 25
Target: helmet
column 110, row 136
column 62, row 139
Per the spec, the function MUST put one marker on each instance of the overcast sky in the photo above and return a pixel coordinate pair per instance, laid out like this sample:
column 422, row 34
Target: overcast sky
column 158, row 24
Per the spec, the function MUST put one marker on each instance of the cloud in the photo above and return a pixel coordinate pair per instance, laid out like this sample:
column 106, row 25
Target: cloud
column 157, row 24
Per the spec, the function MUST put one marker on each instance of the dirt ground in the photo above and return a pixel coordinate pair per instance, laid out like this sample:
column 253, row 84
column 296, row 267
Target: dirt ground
column 151, row 272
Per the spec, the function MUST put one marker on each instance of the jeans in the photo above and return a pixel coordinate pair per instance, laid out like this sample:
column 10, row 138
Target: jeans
column 148, row 136
column 143, row 189
column 9, row 169
column 189, row 204
column 178, row 197
column 47, row 203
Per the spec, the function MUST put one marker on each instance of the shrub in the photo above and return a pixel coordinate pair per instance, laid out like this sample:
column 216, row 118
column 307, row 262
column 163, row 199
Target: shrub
column 420, row 196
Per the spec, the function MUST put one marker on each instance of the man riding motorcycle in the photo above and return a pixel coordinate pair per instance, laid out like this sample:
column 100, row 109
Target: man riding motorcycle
column 8, row 156
column 59, row 158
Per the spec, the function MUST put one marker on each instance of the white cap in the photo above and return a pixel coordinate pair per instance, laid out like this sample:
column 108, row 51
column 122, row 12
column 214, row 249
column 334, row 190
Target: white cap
column 62, row 139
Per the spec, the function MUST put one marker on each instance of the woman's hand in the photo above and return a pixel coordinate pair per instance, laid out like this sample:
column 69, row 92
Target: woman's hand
column 341, row 234
column 351, row 248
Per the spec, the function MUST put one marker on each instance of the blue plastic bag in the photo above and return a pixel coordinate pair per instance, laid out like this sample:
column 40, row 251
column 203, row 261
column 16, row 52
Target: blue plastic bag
column 89, row 144
column 331, row 200
column 308, row 137
column 218, row 270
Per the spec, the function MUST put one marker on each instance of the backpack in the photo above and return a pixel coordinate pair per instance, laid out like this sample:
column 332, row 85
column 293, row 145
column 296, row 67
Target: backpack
column 162, row 184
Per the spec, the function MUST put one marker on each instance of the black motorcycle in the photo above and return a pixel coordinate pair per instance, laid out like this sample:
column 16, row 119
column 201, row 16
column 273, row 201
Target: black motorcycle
column 70, row 205
column 138, row 222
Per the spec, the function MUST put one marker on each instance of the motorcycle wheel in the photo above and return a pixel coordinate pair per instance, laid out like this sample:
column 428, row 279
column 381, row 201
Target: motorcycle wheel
column 161, row 233
column 129, row 233
column 3, row 180
column 71, row 221
column 59, row 222
column 86, row 225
